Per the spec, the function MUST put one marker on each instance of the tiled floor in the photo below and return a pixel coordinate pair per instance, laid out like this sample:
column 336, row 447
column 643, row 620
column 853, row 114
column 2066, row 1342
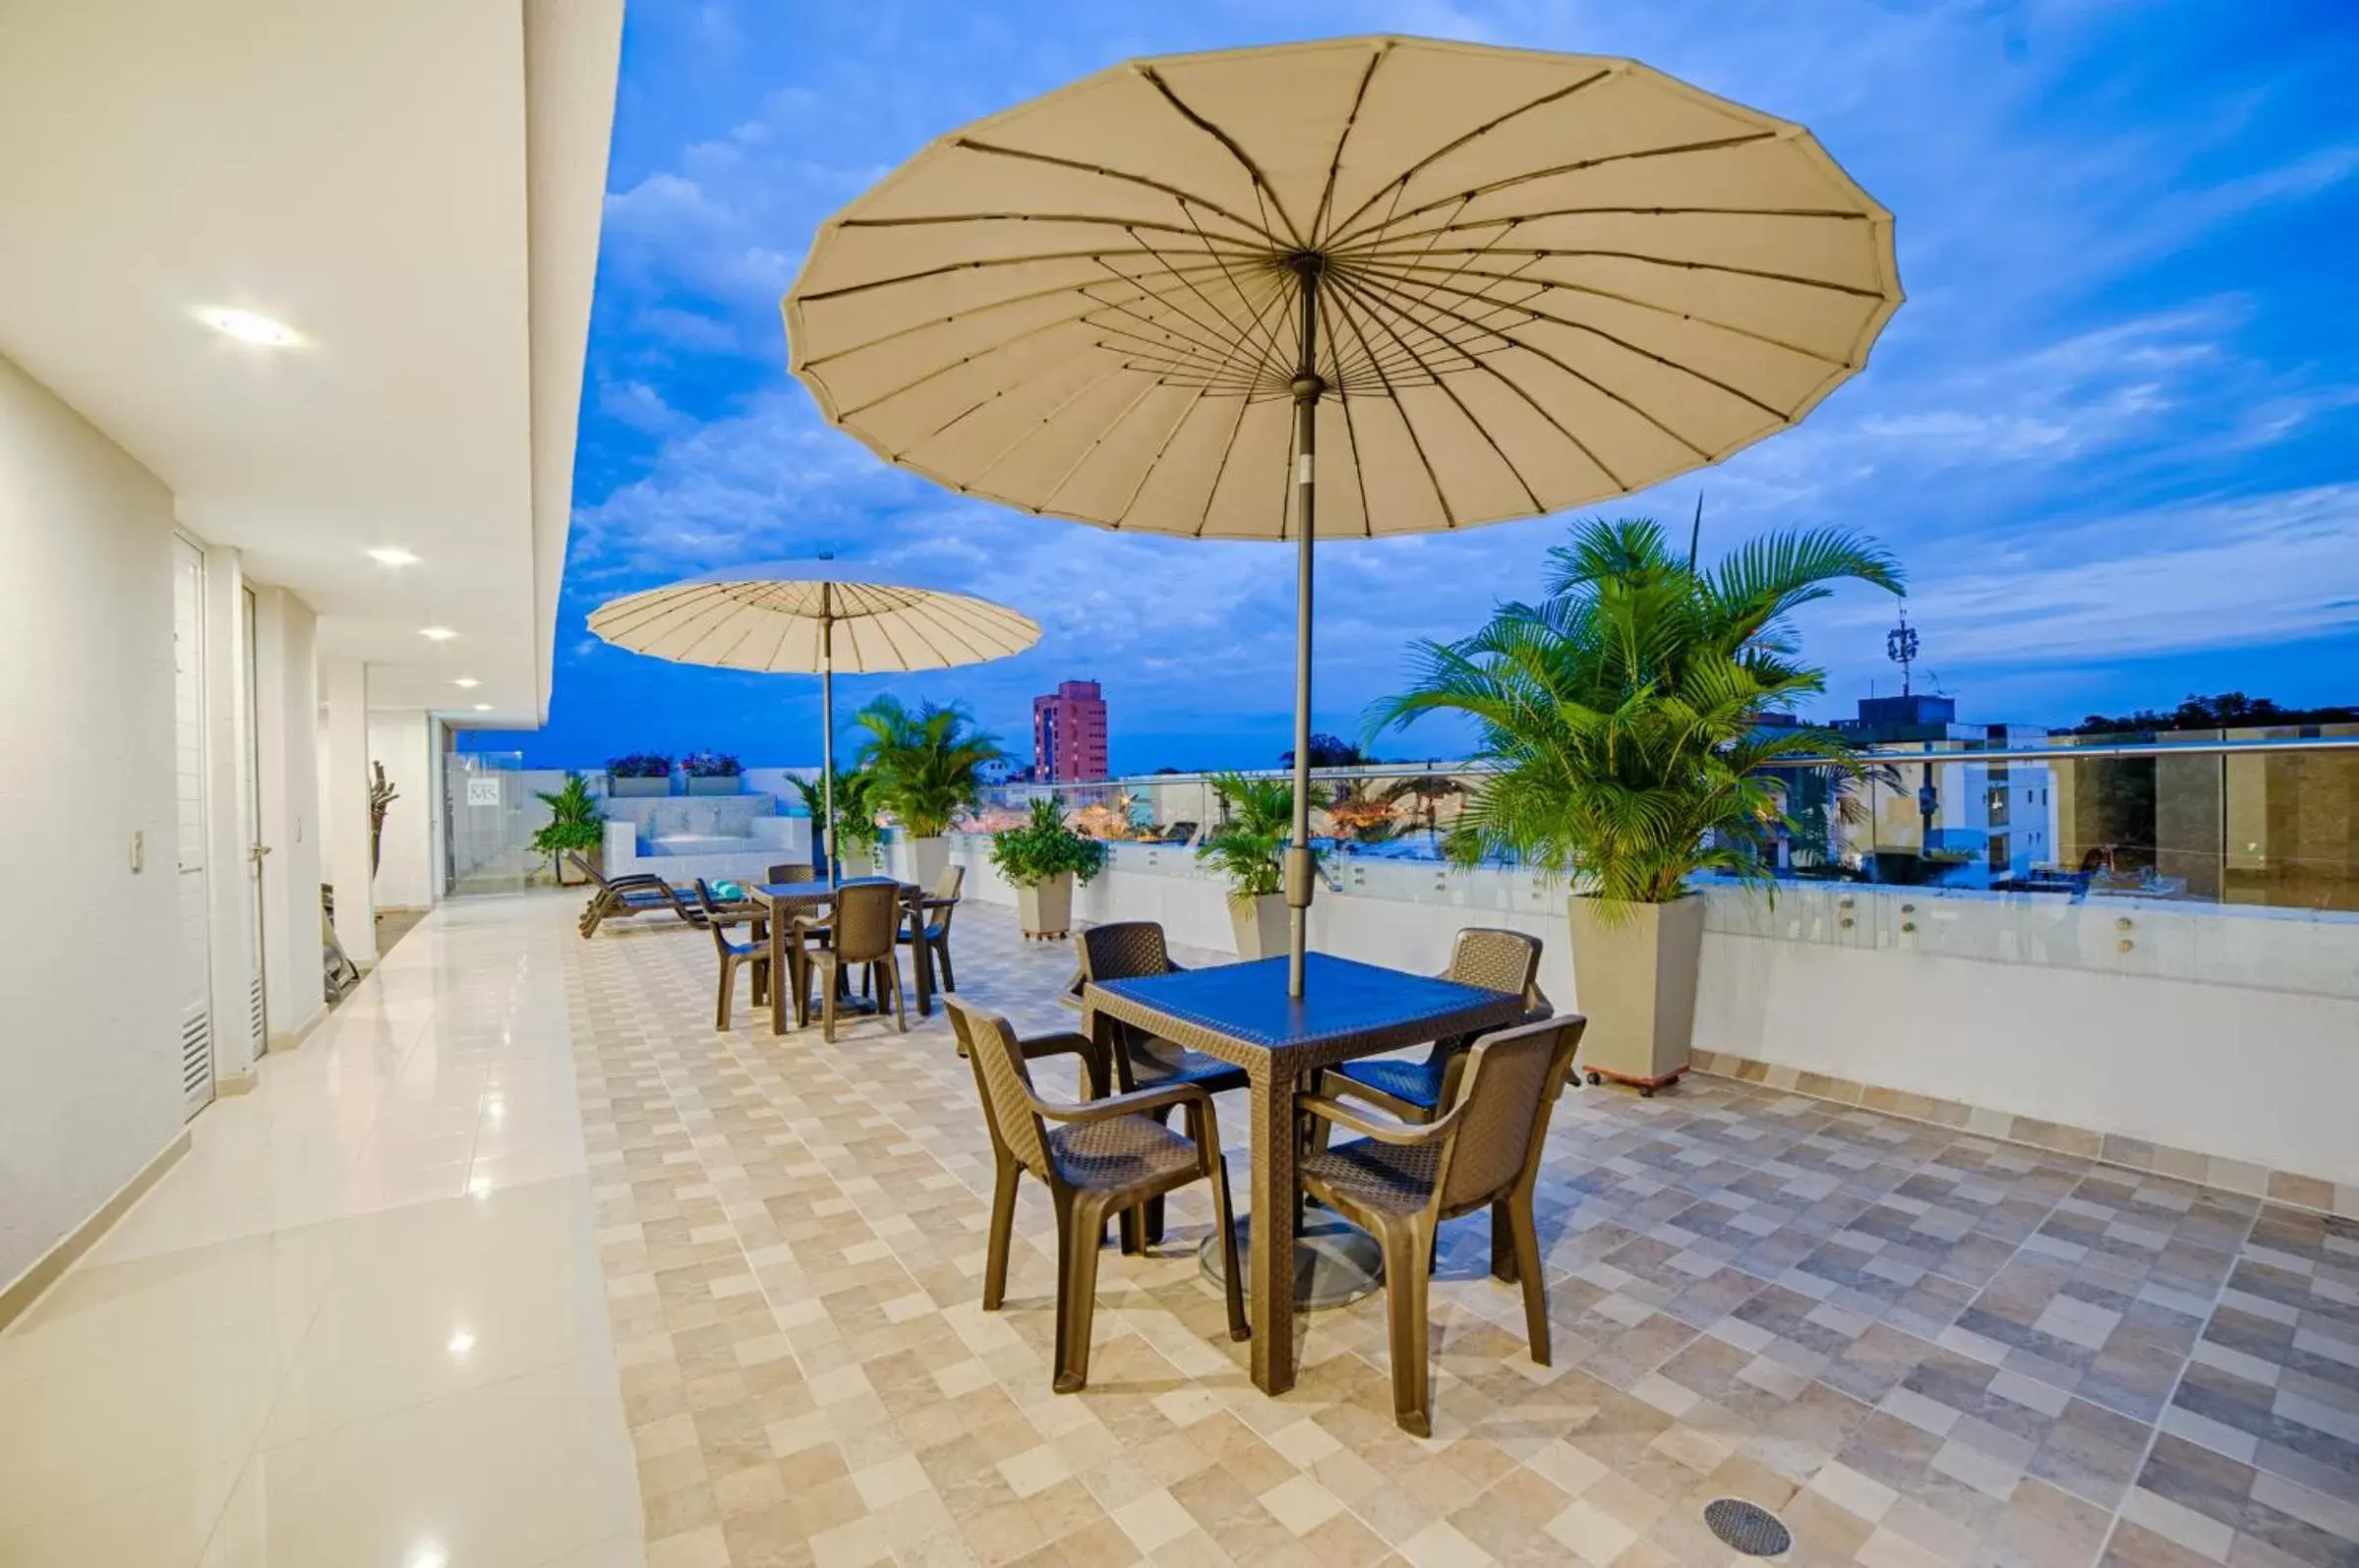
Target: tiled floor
column 1918, row 1347
column 361, row 1323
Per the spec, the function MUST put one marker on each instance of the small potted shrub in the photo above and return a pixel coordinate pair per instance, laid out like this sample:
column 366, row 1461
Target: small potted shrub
column 1248, row 848
column 643, row 772
column 928, row 763
column 711, row 772
column 1042, row 861
column 575, row 824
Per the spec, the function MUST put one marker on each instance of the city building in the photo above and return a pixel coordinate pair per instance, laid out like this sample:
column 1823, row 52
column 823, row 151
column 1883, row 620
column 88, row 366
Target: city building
column 1069, row 733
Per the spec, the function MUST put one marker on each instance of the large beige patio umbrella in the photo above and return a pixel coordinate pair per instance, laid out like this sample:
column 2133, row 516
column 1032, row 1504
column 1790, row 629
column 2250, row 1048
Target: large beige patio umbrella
column 812, row 618
column 1458, row 284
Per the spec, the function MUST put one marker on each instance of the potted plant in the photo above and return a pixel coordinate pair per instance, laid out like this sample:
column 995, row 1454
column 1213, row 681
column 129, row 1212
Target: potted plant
column 711, row 772
column 641, row 773
column 575, row 824
column 1042, row 861
column 928, row 763
column 1248, row 848
column 1623, row 717
column 857, row 834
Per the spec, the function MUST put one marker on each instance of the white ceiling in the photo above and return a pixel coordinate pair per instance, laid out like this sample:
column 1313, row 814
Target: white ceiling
column 413, row 186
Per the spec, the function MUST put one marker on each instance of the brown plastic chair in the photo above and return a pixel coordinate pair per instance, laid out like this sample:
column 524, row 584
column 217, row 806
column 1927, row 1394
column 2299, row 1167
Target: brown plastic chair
column 734, row 954
column 1416, row 1091
column 1101, row 1157
column 929, row 925
column 794, row 871
column 1130, row 949
column 864, row 928
column 1401, row 1182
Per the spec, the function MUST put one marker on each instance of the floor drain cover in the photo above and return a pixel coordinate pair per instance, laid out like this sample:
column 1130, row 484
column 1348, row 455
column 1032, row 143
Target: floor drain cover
column 1747, row 1526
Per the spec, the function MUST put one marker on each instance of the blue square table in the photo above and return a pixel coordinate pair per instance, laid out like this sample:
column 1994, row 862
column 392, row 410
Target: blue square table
column 1240, row 1013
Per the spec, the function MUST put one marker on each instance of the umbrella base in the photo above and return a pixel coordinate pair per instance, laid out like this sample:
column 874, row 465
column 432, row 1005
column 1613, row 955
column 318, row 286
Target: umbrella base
column 1335, row 1262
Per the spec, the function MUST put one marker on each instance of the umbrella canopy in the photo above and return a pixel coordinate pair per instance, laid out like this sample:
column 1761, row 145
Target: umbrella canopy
column 1477, row 283
column 812, row 617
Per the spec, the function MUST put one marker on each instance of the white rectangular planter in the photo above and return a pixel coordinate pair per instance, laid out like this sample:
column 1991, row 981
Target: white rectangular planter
column 1635, row 968
column 1258, row 925
column 1045, row 910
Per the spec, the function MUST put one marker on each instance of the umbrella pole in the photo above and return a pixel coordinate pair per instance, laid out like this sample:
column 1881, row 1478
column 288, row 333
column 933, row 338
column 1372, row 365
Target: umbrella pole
column 1306, row 385
column 827, row 734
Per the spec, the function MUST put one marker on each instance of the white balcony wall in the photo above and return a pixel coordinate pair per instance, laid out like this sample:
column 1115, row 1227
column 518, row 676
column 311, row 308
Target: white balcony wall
column 406, row 871
column 2225, row 1030
column 89, row 1056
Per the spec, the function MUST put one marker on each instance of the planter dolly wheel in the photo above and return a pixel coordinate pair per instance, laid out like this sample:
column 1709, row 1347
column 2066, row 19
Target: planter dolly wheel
column 1595, row 1077
column 1646, row 1091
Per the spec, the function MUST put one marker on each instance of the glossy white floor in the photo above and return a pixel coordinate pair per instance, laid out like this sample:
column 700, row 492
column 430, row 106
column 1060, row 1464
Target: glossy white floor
column 362, row 1323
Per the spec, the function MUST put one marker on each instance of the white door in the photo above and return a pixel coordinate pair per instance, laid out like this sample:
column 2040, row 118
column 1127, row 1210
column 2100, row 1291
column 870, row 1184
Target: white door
column 194, row 969
column 249, row 817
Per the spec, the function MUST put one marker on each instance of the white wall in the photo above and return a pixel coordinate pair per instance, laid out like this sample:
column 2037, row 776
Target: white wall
column 287, row 700
column 89, row 1054
column 404, row 743
column 2257, row 1061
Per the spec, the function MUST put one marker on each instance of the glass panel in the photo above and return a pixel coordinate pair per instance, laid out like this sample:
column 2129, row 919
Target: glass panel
column 490, row 839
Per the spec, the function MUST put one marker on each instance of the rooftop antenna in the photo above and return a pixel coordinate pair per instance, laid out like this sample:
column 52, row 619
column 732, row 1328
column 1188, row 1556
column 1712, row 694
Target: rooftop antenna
column 1695, row 530
column 1900, row 646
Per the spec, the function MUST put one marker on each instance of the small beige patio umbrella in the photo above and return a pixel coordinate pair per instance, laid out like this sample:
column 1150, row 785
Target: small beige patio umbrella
column 812, row 618
column 1460, row 284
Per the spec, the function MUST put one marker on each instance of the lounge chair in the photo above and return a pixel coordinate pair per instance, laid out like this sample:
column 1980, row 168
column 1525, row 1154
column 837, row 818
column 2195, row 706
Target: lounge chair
column 638, row 893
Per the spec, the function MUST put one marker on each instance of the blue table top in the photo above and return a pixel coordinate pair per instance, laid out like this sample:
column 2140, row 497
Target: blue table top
column 1342, row 1000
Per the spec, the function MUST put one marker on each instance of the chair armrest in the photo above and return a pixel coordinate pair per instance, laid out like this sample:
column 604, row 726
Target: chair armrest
column 1115, row 1105
column 1059, row 1043
column 636, row 879
column 937, row 903
column 1383, row 1129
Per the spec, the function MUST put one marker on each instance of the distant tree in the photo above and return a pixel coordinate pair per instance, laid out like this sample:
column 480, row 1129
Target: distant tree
column 1328, row 751
column 1160, row 771
column 2229, row 710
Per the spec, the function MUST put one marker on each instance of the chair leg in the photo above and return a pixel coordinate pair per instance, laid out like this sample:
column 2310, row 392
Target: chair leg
column 901, row 1002
column 729, row 985
column 1003, row 1225
column 827, row 1007
column 1535, row 1277
column 1078, row 1227
column 761, row 980
column 950, row 979
column 1503, row 1243
column 1221, row 1217
column 1406, row 1245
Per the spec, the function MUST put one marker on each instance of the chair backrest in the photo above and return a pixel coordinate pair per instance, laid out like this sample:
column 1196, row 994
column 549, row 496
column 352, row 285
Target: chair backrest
column 868, row 920
column 795, row 871
column 1002, row 1082
column 1497, row 960
column 582, row 864
column 946, row 887
column 1508, row 1093
column 1122, row 950
column 712, row 915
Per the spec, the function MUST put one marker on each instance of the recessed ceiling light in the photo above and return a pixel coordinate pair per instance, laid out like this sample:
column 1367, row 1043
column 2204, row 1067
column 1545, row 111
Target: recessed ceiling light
column 440, row 635
column 248, row 327
column 483, row 707
column 392, row 556
column 468, row 683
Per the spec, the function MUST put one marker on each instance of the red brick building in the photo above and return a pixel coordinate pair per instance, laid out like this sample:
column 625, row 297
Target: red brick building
column 1069, row 733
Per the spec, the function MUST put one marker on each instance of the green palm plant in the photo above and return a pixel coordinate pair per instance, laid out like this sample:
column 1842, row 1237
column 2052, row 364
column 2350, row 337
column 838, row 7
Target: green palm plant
column 1622, row 715
column 855, row 808
column 927, row 761
column 574, row 822
column 1249, row 846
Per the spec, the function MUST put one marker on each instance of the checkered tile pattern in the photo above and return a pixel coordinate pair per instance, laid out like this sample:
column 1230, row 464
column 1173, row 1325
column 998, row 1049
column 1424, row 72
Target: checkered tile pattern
column 1917, row 1345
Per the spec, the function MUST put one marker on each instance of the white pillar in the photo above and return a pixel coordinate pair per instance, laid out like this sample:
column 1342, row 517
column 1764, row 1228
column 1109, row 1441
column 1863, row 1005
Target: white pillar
column 345, row 804
column 228, row 758
column 287, row 700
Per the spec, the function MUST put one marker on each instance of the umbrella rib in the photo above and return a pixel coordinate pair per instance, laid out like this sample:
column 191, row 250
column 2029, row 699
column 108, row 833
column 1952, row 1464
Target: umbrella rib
column 1541, row 285
column 1334, row 164
column 1456, row 226
column 934, row 322
column 664, row 602
column 1483, row 363
column 966, row 360
column 1636, row 303
column 1043, row 421
column 1547, row 251
column 1261, row 317
column 1401, row 182
column 968, row 143
column 1186, row 346
column 1098, row 441
column 1441, row 498
column 1236, row 333
column 1558, row 425
column 1155, row 461
column 1099, row 254
column 1578, row 167
column 1261, row 184
column 1359, row 473
column 1245, row 246
column 1375, row 305
column 1220, row 469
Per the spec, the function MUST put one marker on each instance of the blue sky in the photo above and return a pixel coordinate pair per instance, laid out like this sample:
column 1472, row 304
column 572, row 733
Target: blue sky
column 2113, row 435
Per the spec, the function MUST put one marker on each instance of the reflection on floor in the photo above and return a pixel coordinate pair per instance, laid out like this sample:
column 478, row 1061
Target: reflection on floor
column 518, row 1217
